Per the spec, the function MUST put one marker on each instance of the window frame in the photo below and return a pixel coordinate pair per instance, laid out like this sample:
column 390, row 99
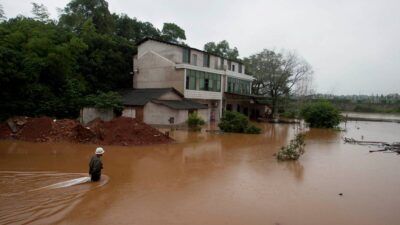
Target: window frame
column 186, row 55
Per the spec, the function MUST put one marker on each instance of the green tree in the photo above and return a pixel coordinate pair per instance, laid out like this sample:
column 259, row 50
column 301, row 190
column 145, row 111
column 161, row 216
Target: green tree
column 37, row 60
column 40, row 12
column 276, row 74
column 104, row 100
column 134, row 30
column 106, row 64
column 2, row 14
column 77, row 12
column 222, row 49
column 49, row 67
column 172, row 33
column 321, row 115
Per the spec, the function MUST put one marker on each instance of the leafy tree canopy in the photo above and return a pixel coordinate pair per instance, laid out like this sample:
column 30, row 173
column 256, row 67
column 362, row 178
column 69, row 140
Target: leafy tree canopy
column 40, row 12
column 172, row 33
column 276, row 73
column 222, row 49
column 77, row 12
column 48, row 67
column 2, row 14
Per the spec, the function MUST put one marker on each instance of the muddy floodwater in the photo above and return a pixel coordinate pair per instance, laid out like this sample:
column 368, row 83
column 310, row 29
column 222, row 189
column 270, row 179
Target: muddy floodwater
column 207, row 178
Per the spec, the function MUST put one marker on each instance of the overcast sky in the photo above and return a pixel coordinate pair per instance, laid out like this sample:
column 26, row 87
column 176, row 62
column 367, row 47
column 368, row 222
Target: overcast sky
column 353, row 45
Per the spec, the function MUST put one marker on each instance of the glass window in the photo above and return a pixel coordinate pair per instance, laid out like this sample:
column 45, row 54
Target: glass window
column 206, row 84
column 233, row 67
column 186, row 55
column 199, row 80
column 240, row 68
column 194, row 59
column 206, row 60
column 229, row 65
column 238, row 86
column 202, row 84
column 222, row 64
column 187, row 81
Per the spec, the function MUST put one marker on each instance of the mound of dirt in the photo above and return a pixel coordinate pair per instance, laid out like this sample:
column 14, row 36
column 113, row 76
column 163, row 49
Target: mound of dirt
column 36, row 129
column 120, row 131
column 128, row 131
column 63, row 130
column 84, row 135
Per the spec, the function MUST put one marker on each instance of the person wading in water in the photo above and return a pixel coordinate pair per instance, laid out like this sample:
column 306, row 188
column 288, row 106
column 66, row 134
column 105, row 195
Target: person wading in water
column 95, row 165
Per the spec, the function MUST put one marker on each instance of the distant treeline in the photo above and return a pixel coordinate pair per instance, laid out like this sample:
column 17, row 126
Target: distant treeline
column 365, row 103
column 290, row 107
column 361, row 106
column 50, row 67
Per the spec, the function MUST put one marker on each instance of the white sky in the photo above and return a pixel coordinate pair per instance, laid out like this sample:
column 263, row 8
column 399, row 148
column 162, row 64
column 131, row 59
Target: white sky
column 353, row 45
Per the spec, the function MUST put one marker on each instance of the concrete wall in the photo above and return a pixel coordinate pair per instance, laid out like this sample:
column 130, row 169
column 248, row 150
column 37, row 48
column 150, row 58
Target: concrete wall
column 129, row 112
column 204, row 114
column 89, row 114
column 155, row 71
column 171, row 52
column 159, row 115
column 195, row 94
column 199, row 55
column 216, row 110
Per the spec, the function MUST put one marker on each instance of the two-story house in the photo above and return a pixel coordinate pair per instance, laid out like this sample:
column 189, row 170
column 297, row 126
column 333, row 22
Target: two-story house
column 213, row 81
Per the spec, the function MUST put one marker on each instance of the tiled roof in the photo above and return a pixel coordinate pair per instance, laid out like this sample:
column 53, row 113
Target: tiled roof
column 180, row 104
column 140, row 97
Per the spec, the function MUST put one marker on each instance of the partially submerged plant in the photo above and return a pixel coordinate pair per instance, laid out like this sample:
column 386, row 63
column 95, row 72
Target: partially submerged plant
column 294, row 150
column 195, row 121
column 235, row 122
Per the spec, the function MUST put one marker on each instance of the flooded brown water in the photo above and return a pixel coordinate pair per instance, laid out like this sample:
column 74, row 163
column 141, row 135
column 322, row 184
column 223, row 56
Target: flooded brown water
column 207, row 178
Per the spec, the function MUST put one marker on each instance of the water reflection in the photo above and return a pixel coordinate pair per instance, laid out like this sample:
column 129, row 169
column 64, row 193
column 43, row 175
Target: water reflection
column 323, row 135
column 296, row 168
column 207, row 152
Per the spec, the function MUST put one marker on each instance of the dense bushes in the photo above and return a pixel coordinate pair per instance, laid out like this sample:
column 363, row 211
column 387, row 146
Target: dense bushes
column 195, row 121
column 321, row 115
column 237, row 123
column 294, row 150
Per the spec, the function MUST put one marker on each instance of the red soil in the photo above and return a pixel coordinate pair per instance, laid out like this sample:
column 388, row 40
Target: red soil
column 120, row 131
column 127, row 131
column 5, row 131
column 36, row 129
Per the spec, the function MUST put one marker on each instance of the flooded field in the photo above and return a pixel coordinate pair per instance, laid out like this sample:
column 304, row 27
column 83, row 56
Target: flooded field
column 372, row 115
column 207, row 178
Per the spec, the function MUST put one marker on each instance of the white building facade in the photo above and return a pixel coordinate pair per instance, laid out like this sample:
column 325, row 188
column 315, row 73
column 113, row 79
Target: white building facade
column 199, row 76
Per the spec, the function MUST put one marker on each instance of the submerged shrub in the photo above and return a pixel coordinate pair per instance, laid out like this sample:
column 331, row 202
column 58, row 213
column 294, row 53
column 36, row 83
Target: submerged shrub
column 195, row 121
column 294, row 150
column 252, row 129
column 237, row 123
column 321, row 115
